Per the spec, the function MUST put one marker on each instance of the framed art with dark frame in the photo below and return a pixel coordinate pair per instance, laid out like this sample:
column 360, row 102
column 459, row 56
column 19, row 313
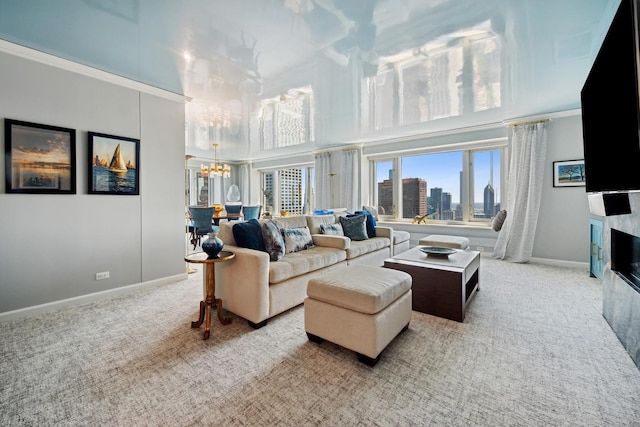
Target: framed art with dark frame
column 568, row 173
column 114, row 164
column 39, row 159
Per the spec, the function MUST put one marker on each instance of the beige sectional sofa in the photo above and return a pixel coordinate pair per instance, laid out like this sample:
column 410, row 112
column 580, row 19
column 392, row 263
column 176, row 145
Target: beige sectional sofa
column 256, row 288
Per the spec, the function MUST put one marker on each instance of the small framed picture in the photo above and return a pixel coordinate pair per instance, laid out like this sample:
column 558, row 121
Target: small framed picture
column 39, row 158
column 568, row 173
column 114, row 164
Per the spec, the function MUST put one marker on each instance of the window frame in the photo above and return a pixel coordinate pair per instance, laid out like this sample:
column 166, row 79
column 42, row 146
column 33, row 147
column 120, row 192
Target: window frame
column 466, row 196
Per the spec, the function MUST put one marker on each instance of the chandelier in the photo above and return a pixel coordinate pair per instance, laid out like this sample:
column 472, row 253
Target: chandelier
column 215, row 169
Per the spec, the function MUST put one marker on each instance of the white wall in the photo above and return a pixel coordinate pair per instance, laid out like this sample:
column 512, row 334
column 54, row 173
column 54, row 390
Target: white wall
column 53, row 245
column 563, row 223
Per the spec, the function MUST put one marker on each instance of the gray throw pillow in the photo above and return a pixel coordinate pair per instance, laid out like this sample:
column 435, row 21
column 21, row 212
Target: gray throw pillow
column 355, row 227
column 498, row 220
column 332, row 229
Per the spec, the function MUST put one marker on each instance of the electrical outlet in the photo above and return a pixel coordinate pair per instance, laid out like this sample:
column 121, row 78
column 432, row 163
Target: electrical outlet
column 103, row 275
column 480, row 248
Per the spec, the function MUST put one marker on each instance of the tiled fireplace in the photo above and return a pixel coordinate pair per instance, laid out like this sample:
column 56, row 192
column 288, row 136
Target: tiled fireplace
column 621, row 277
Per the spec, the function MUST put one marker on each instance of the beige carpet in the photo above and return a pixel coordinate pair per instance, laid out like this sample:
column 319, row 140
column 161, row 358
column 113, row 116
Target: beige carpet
column 534, row 350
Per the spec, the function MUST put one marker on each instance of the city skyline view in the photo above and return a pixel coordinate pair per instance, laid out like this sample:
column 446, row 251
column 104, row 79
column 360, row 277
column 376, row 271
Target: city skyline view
column 442, row 170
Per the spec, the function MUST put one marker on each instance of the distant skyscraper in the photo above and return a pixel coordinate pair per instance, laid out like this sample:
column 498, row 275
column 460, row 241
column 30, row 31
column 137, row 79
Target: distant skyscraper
column 385, row 196
column 489, row 201
column 447, row 213
column 435, row 202
column 414, row 197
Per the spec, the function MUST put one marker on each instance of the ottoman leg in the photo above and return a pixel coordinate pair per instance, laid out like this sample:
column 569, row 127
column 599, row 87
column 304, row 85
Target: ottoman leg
column 314, row 338
column 367, row 360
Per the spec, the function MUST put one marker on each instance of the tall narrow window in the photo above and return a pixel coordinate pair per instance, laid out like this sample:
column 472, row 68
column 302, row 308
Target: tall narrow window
column 486, row 188
column 288, row 190
column 385, row 188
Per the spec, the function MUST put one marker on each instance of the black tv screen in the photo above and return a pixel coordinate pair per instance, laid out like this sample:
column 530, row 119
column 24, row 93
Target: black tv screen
column 610, row 108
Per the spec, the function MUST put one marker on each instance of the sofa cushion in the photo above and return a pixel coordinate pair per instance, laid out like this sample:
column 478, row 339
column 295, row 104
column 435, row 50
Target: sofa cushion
column 296, row 221
column 354, row 227
column 371, row 223
column 298, row 263
column 332, row 229
column 273, row 240
column 361, row 247
column 297, row 239
column 314, row 222
column 372, row 210
column 248, row 235
column 225, row 233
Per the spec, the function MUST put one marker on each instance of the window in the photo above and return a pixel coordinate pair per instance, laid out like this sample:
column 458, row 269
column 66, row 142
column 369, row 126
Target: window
column 288, row 190
column 431, row 185
column 445, row 186
column 287, row 119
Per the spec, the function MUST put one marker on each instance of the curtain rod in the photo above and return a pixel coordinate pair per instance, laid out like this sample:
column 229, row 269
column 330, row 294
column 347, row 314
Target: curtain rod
column 532, row 122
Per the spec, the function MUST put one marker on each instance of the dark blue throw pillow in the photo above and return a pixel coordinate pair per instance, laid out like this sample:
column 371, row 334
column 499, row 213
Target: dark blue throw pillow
column 248, row 235
column 371, row 223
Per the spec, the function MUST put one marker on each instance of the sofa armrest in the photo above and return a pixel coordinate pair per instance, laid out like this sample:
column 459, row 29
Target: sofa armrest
column 331, row 241
column 382, row 231
column 243, row 283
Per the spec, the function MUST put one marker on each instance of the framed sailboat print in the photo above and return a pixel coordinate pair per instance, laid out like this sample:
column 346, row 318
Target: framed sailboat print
column 114, row 164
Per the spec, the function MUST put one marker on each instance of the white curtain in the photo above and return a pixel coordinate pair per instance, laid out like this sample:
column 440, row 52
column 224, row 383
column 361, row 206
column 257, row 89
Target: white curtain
column 350, row 179
column 323, row 180
column 524, row 192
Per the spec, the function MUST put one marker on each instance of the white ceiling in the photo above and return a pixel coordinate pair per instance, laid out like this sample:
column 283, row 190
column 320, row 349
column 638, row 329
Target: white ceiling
column 550, row 44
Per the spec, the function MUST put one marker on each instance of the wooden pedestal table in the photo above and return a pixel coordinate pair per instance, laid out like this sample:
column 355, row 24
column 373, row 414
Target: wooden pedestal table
column 210, row 300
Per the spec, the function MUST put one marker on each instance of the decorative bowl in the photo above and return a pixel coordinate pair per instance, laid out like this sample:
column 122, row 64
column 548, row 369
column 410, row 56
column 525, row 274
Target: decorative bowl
column 437, row 251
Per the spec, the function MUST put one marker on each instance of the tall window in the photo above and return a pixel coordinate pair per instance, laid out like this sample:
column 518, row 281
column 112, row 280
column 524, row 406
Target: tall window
column 287, row 119
column 447, row 186
column 288, row 190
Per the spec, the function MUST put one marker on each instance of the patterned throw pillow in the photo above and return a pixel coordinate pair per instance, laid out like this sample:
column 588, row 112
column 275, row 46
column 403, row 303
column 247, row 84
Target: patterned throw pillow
column 371, row 223
column 498, row 220
column 297, row 239
column 273, row 241
column 355, row 227
column 332, row 229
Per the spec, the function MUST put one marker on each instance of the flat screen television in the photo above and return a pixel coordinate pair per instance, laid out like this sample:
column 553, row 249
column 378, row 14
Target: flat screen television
column 610, row 108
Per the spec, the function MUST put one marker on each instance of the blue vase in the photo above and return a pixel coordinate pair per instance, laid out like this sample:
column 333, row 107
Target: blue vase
column 213, row 245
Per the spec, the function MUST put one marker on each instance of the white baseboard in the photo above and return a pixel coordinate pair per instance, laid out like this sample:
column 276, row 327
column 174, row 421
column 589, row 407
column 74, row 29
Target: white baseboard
column 84, row 299
column 561, row 263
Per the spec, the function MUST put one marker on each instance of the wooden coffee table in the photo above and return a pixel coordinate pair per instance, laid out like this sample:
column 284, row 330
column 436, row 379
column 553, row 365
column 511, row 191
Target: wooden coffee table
column 442, row 286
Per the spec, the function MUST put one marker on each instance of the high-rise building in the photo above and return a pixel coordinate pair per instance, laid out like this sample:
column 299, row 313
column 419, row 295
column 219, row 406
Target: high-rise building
column 489, row 201
column 414, row 197
column 385, row 196
column 291, row 197
column 447, row 213
column 435, row 203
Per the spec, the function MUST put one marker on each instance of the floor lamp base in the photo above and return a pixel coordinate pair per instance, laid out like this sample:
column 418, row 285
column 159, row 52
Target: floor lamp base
column 191, row 270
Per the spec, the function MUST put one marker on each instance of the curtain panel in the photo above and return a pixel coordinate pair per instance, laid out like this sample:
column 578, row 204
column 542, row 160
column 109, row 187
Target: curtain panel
column 524, row 192
column 323, row 180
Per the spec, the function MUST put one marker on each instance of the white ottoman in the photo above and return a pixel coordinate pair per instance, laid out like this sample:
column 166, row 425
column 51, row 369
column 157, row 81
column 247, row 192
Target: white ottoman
column 361, row 308
column 454, row 242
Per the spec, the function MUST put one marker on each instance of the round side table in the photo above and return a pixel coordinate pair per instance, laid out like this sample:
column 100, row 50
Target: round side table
column 210, row 289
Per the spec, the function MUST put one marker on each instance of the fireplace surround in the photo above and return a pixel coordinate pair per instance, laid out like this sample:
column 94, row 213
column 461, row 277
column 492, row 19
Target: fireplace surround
column 625, row 257
column 620, row 290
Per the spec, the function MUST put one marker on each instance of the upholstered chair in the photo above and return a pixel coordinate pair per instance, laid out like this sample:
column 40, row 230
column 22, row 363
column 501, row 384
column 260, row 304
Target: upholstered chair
column 200, row 223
